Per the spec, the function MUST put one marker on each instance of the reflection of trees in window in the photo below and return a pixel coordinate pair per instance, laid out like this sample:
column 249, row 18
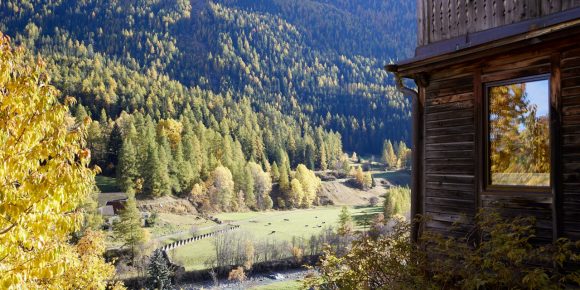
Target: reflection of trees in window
column 519, row 136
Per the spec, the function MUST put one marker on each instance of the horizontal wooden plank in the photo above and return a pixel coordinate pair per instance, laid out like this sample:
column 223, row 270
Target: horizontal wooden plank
column 571, row 177
column 453, row 115
column 571, row 139
column 449, row 123
column 452, row 161
column 449, row 169
column 449, row 99
column 449, row 154
column 450, row 193
column 463, row 129
column 455, row 106
column 451, row 218
column 447, row 226
column 514, row 62
column 446, row 178
column 438, row 83
column 570, row 62
column 571, row 129
column 570, row 91
column 573, row 100
column 570, row 72
column 568, row 120
column 571, row 109
column 450, row 186
column 571, row 82
column 450, row 146
column 515, row 73
column 571, row 54
column 450, row 138
column 511, row 212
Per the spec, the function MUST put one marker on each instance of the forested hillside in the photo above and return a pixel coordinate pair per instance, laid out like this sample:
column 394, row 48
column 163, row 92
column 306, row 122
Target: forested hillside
column 320, row 60
column 195, row 85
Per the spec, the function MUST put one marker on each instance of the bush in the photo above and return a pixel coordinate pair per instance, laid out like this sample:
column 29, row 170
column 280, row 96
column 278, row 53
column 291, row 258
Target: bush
column 237, row 274
column 151, row 220
column 503, row 258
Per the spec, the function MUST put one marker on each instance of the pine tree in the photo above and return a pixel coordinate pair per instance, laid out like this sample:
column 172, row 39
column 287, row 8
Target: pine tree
column 103, row 119
column 389, row 156
column 275, row 172
column 345, row 225
column 154, row 173
column 114, row 146
column 129, row 228
column 323, row 163
column 80, row 114
column 284, row 178
column 402, row 154
column 127, row 170
column 192, row 155
column 184, row 171
column 248, row 188
column 159, row 272
column 168, row 172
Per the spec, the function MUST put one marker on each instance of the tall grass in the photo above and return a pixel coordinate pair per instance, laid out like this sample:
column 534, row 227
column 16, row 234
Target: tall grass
column 397, row 201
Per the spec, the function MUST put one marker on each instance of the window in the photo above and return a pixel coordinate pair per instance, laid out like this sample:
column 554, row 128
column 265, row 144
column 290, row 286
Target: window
column 518, row 129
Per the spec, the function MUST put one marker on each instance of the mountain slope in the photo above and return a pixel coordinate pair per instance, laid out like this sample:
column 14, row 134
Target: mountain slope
column 318, row 61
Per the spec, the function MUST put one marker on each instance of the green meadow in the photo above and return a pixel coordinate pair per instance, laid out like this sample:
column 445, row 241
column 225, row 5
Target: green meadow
column 277, row 225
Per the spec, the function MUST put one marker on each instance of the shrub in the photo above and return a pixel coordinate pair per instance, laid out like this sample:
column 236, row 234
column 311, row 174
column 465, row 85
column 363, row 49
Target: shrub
column 151, row 220
column 237, row 274
column 503, row 258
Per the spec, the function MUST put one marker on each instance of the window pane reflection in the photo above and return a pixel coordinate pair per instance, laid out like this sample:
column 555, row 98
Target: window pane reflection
column 519, row 134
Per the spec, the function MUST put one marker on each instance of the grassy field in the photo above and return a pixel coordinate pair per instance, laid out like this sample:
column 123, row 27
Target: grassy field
column 401, row 177
column 171, row 223
column 107, row 184
column 279, row 225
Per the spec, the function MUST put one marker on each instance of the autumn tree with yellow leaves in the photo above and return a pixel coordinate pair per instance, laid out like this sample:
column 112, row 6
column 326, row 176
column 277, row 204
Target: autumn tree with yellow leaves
column 44, row 180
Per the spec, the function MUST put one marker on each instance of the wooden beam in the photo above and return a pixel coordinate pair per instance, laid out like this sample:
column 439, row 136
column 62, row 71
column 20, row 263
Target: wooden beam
column 568, row 30
column 556, row 155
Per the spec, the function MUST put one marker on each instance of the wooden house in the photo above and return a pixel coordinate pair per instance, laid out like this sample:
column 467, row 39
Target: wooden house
column 496, row 113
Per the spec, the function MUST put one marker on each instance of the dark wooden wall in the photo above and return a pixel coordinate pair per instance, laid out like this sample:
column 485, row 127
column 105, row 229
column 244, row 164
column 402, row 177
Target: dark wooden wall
column 446, row 19
column 570, row 140
column 449, row 173
column 453, row 163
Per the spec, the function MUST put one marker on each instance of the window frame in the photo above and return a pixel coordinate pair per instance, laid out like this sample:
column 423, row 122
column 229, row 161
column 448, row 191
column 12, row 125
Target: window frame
column 487, row 185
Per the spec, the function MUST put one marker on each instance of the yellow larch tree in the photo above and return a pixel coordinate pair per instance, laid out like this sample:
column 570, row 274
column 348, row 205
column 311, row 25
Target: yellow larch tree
column 44, row 180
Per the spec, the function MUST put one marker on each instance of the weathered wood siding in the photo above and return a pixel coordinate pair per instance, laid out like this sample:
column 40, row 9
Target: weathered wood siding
column 521, row 203
column 570, row 140
column 446, row 19
column 449, row 173
column 454, row 158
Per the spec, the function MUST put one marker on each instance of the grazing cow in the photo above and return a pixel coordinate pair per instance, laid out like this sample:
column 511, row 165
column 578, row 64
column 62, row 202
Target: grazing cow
column 286, row 220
